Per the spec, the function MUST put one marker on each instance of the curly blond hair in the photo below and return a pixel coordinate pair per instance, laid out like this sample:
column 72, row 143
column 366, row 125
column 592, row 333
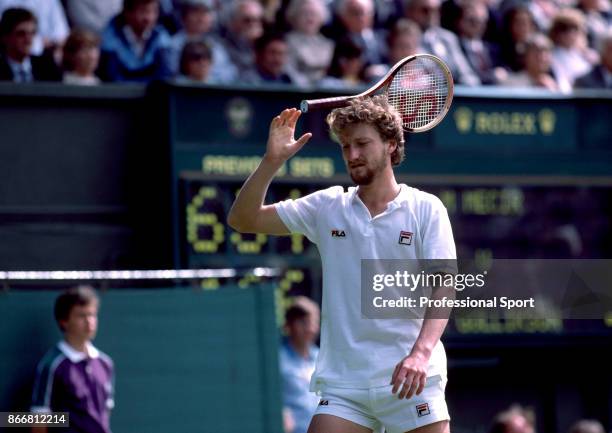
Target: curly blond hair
column 375, row 111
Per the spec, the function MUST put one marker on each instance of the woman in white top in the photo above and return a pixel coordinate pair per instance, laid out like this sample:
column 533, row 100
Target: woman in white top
column 310, row 53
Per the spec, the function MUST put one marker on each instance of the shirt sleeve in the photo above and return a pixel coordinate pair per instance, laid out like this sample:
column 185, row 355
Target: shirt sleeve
column 109, row 386
column 438, row 242
column 110, row 401
column 300, row 216
column 43, row 385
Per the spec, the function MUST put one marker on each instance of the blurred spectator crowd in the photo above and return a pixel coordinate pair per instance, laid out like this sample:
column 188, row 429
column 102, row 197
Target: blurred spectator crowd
column 557, row 45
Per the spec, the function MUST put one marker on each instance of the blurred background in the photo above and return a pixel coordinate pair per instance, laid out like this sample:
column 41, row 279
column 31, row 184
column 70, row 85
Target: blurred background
column 127, row 128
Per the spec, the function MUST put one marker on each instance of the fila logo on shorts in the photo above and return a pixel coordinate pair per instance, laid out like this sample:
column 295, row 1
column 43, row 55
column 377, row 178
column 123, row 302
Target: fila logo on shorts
column 405, row 238
column 422, row 409
column 338, row 234
column 324, row 403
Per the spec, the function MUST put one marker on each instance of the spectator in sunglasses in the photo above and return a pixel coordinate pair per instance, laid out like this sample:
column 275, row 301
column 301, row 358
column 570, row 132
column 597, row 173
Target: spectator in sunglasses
column 243, row 26
column 196, row 63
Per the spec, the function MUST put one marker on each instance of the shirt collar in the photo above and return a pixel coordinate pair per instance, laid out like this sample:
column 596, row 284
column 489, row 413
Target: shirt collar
column 26, row 65
column 367, row 33
column 138, row 45
column 74, row 355
column 398, row 201
column 475, row 44
column 311, row 351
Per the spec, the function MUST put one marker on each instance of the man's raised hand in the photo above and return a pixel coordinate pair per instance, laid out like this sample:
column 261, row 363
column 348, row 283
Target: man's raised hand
column 281, row 142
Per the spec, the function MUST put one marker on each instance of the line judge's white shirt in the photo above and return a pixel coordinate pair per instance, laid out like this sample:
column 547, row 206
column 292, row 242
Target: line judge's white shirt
column 357, row 352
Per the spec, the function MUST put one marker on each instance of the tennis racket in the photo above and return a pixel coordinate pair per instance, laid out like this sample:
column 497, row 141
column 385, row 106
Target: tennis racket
column 420, row 87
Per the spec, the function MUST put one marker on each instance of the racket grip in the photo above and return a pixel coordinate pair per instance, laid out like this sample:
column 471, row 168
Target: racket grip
column 319, row 104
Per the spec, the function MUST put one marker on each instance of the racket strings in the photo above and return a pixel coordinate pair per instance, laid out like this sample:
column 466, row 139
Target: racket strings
column 419, row 91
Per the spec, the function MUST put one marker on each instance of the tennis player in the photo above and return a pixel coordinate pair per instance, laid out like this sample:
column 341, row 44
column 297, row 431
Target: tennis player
column 370, row 373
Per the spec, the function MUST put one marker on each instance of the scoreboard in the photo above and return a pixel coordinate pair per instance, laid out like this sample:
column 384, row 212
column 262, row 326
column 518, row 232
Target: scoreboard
column 501, row 221
column 514, row 201
column 489, row 221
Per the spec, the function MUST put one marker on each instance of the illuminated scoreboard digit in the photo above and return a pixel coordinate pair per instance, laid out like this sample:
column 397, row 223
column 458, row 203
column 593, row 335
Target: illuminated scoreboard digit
column 205, row 221
column 247, row 243
column 207, row 240
column 295, row 243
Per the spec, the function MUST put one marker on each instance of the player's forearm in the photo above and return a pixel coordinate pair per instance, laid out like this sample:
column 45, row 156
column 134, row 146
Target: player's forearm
column 251, row 197
column 430, row 334
column 434, row 323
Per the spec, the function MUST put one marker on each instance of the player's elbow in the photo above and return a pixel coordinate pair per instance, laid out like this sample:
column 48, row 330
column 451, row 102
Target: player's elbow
column 263, row 220
column 239, row 224
column 234, row 222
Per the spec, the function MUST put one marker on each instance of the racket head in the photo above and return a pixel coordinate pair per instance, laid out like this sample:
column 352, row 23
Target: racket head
column 420, row 88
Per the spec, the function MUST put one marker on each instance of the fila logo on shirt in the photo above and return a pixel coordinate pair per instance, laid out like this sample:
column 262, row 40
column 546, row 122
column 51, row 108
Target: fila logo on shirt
column 405, row 238
column 422, row 409
column 338, row 234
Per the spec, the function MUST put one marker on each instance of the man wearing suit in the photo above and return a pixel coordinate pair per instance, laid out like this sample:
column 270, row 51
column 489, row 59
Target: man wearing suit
column 482, row 56
column 354, row 20
column 600, row 76
column 17, row 30
column 357, row 18
column 439, row 41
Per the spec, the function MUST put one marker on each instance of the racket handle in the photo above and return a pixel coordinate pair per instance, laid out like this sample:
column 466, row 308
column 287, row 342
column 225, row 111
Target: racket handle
column 320, row 104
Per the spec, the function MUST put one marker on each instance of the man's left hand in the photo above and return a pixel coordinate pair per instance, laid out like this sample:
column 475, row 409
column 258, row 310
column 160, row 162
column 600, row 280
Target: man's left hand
column 409, row 376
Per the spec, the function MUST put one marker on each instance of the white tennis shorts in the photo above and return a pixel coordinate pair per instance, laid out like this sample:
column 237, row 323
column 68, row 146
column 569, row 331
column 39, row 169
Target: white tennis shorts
column 378, row 407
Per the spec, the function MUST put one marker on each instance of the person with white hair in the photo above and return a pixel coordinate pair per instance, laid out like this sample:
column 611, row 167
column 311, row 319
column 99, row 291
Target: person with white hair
column 310, row 53
column 243, row 25
column 356, row 21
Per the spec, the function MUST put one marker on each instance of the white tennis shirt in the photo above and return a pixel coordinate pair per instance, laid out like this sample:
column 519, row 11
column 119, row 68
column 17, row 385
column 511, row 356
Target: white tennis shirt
column 358, row 352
